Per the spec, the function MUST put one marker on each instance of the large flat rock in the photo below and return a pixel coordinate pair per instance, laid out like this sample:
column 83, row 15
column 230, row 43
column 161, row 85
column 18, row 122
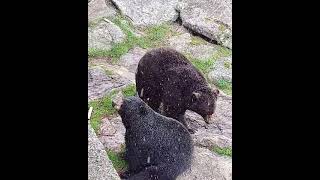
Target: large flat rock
column 98, row 9
column 132, row 58
column 99, row 165
column 146, row 12
column 103, row 35
column 100, row 83
column 210, row 18
column 207, row 165
column 183, row 43
column 219, row 131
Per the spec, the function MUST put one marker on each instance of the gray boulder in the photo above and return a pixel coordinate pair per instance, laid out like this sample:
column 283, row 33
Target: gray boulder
column 211, row 18
column 103, row 35
column 100, row 83
column 132, row 58
column 146, row 12
column 98, row 9
column 219, row 131
column 99, row 165
column 207, row 165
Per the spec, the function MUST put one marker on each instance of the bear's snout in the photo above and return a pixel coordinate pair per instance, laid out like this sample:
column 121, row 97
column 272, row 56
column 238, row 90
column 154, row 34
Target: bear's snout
column 117, row 101
column 208, row 118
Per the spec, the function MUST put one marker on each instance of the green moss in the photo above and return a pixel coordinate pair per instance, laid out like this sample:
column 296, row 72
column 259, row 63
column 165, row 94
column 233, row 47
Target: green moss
column 222, row 52
column 195, row 40
column 225, row 86
column 203, row 65
column 223, row 151
column 101, row 108
column 129, row 90
column 117, row 49
column 117, row 160
column 222, row 27
column 93, row 52
column 94, row 23
column 152, row 38
column 108, row 72
column 227, row 65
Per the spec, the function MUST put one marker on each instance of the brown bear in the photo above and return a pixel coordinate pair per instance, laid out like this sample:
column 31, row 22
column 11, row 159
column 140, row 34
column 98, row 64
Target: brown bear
column 166, row 76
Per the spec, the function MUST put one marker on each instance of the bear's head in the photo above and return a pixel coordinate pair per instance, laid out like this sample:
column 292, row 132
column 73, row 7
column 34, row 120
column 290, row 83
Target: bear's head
column 203, row 102
column 132, row 109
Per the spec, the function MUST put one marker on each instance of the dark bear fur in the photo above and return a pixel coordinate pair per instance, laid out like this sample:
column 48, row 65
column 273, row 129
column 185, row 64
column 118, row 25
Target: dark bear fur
column 165, row 75
column 157, row 147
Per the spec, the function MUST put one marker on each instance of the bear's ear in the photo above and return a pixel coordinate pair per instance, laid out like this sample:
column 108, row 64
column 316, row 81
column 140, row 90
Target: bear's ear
column 195, row 95
column 216, row 92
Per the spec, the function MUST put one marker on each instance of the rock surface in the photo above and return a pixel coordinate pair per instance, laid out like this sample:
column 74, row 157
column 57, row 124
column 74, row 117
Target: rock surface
column 184, row 44
column 103, row 35
column 217, row 133
column 222, row 70
column 132, row 58
column 122, row 72
column 112, row 134
column 210, row 18
column 99, row 165
column 98, row 9
column 207, row 165
column 100, row 83
column 146, row 12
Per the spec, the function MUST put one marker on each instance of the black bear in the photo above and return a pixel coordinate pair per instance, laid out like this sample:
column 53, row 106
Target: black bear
column 166, row 76
column 157, row 147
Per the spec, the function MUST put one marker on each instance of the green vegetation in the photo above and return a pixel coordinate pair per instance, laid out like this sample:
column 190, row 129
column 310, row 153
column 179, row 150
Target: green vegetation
column 152, row 38
column 221, row 52
column 103, row 107
column 223, row 151
column 195, row 40
column 108, row 72
column 222, row 27
column 227, row 65
column 129, row 90
column 203, row 65
column 117, row 160
column 225, row 86
column 94, row 23
column 92, row 52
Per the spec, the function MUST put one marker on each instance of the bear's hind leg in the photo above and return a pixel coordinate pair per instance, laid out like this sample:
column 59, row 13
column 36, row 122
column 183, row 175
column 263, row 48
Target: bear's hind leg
column 155, row 173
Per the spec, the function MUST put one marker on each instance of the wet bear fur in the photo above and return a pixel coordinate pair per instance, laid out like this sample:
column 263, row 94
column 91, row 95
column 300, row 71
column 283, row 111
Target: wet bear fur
column 166, row 76
column 157, row 147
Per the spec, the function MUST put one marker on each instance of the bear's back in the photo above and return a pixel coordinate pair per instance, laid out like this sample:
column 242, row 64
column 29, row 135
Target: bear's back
column 161, row 59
